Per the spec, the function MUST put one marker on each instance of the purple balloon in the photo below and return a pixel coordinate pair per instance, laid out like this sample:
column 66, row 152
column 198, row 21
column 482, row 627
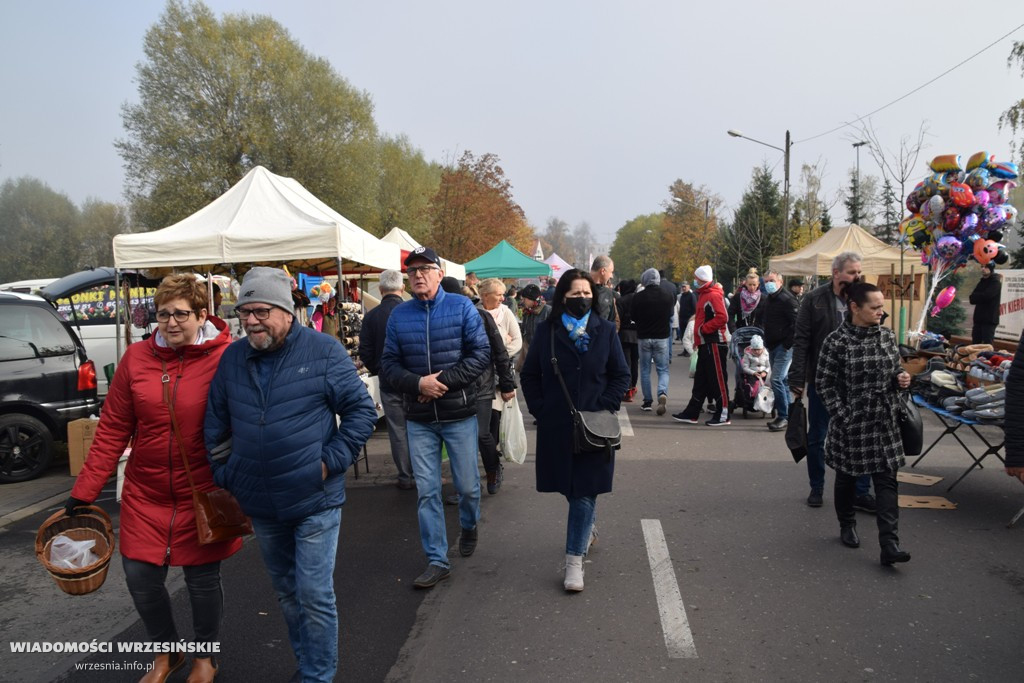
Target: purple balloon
column 948, row 247
column 981, row 198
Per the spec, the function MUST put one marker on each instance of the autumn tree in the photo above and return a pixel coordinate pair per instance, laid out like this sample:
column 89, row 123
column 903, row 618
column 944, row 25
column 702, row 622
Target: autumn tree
column 473, row 210
column 809, row 206
column 637, row 246
column 691, row 226
column 39, row 227
column 557, row 239
column 219, row 97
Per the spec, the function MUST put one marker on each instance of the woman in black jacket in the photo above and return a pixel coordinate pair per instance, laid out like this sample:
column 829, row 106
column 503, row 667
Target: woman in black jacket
column 627, row 335
column 859, row 377
column 591, row 363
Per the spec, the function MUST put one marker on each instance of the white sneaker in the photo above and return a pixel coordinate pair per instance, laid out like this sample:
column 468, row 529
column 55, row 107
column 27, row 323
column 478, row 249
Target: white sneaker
column 573, row 573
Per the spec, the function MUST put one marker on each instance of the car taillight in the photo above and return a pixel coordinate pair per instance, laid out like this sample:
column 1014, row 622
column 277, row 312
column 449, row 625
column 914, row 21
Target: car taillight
column 87, row 376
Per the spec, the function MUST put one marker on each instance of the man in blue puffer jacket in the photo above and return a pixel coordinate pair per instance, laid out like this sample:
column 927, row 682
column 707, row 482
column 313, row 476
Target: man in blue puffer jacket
column 272, row 430
column 435, row 351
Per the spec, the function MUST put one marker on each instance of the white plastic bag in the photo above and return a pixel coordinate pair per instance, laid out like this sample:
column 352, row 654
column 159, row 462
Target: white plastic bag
column 512, row 432
column 67, row 553
column 765, row 400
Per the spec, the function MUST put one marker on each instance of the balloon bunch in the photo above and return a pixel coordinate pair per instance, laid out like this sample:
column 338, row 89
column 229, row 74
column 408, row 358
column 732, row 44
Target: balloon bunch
column 959, row 213
column 322, row 291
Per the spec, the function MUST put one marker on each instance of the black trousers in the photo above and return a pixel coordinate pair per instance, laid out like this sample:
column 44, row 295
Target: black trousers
column 632, row 352
column 886, row 499
column 711, row 381
column 983, row 334
column 487, row 437
column 146, row 585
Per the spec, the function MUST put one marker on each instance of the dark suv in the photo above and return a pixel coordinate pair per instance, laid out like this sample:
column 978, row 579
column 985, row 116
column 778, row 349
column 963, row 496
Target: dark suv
column 45, row 381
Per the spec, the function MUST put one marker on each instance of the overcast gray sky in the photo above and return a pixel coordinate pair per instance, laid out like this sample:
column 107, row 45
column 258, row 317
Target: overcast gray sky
column 594, row 107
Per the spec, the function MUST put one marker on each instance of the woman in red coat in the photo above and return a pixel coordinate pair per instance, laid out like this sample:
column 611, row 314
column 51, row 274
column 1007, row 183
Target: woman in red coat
column 158, row 527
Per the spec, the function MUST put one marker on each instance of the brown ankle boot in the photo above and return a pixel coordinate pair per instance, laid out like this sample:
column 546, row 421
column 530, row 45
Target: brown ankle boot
column 203, row 670
column 163, row 666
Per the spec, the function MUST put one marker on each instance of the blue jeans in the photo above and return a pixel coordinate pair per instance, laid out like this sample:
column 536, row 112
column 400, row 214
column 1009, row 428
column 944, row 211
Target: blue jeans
column 460, row 439
column 817, row 429
column 581, row 521
column 781, row 358
column 299, row 556
column 658, row 350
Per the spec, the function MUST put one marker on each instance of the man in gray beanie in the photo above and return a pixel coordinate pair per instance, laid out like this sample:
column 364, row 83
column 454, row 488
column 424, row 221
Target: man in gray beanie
column 276, row 444
column 652, row 311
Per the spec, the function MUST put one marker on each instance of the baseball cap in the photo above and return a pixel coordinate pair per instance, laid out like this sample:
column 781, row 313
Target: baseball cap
column 423, row 253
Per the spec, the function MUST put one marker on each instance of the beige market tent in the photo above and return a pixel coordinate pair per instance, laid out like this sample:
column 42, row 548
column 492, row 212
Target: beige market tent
column 878, row 258
column 406, row 243
column 264, row 219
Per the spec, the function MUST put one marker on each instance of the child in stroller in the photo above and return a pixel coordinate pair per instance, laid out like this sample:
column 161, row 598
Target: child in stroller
column 753, row 366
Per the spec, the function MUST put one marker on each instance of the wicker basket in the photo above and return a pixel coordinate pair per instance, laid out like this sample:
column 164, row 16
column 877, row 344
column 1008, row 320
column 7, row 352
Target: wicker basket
column 93, row 525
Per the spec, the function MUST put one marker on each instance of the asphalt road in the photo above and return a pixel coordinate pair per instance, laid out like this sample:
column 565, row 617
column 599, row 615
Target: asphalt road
column 767, row 591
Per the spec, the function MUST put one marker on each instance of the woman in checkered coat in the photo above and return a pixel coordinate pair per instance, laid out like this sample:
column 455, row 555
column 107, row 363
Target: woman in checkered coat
column 859, row 377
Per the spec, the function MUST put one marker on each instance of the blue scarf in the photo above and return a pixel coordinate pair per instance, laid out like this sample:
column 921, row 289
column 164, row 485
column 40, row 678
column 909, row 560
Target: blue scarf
column 577, row 329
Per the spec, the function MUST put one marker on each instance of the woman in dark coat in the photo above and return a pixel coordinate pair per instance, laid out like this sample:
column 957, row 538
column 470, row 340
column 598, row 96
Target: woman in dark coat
column 859, row 377
column 591, row 362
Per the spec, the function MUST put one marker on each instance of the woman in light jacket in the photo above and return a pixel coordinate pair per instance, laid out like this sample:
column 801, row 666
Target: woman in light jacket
column 594, row 369
column 859, row 378
column 492, row 294
column 158, row 526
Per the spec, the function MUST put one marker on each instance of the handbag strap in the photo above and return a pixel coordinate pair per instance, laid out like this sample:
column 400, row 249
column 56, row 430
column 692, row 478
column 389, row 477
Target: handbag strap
column 165, row 380
column 558, row 374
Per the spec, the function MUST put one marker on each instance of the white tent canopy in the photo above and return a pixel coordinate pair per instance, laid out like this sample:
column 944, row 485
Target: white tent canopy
column 405, row 242
column 558, row 265
column 263, row 219
column 816, row 258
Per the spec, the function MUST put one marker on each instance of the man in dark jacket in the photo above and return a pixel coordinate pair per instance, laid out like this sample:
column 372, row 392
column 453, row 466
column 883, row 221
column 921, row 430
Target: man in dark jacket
column 985, row 298
column 535, row 311
column 435, row 351
column 601, row 272
column 1013, row 424
column 652, row 310
column 277, row 395
column 371, row 348
column 821, row 311
column 779, row 323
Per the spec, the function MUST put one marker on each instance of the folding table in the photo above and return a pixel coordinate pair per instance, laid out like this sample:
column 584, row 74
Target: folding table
column 951, row 423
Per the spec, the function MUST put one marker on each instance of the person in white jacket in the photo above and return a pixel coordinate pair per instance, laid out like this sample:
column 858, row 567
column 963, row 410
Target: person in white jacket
column 492, row 295
column 756, row 366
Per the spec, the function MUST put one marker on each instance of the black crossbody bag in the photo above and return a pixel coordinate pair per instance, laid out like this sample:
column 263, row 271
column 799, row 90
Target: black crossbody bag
column 594, row 431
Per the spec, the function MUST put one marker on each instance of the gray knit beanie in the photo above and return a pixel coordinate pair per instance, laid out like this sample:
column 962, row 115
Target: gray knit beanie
column 269, row 286
column 650, row 277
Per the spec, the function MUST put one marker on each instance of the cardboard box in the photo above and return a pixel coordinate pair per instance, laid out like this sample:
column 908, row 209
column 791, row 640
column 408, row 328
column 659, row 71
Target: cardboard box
column 80, row 434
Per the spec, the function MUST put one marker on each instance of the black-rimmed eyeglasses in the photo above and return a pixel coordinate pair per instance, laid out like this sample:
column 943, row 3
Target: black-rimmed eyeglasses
column 260, row 313
column 420, row 270
column 180, row 316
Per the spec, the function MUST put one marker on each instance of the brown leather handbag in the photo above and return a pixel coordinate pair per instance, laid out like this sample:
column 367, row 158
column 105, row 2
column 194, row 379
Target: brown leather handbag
column 219, row 517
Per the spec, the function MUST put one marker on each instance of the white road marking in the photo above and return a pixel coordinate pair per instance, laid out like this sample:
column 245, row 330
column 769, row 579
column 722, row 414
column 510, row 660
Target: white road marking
column 678, row 638
column 624, row 424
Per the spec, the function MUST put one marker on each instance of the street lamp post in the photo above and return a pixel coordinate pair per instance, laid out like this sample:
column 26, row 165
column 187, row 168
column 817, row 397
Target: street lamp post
column 856, row 198
column 785, row 151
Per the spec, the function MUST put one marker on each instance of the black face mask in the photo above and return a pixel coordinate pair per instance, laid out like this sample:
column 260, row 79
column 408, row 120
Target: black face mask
column 578, row 306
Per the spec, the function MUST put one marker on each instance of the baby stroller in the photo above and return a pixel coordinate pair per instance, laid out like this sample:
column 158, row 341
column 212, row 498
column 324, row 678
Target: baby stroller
column 745, row 389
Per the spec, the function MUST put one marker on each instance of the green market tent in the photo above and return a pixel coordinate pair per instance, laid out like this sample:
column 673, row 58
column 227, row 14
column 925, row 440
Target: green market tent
column 505, row 261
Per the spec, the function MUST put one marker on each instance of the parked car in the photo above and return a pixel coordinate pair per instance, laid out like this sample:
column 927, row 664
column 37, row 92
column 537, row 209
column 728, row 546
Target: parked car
column 46, row 380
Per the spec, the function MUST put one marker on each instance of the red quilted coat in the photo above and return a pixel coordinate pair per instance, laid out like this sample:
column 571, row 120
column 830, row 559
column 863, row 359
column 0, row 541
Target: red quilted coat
column 157, row 520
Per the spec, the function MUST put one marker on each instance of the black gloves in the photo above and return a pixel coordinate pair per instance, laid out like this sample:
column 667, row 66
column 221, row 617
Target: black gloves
column 69, row 507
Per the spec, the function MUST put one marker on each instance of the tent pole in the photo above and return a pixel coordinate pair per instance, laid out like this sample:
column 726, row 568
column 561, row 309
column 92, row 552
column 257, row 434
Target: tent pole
column 340, row 279
column 117, row 314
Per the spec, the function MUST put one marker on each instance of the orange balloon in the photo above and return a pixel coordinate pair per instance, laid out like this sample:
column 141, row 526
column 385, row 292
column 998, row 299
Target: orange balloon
column 985, row 251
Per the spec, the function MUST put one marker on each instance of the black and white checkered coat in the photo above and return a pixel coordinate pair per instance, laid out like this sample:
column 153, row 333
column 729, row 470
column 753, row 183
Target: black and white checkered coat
column 856, row 380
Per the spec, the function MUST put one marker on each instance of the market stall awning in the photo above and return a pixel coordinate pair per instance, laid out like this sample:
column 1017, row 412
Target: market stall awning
column 816, row 257
column 264, row 219
column 505, row 261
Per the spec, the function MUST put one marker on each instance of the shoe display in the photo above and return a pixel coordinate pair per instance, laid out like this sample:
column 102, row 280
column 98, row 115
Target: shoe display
column 662, row 402
column 891, row 554
column 848, row 535
column 431, row 576
column 467, row 542
column 718, row 422
column 573, row 573
column 683, row 417
column 866, row 503
column 815, row 500
column 646, row 405
column 778, row 424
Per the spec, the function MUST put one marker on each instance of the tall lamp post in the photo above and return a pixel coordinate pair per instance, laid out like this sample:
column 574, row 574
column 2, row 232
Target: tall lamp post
column 785, row 151
column 856, row 198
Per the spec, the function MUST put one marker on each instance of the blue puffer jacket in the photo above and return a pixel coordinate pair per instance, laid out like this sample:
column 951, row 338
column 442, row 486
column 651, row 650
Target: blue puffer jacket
column 444, row 334
column 279, row 439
